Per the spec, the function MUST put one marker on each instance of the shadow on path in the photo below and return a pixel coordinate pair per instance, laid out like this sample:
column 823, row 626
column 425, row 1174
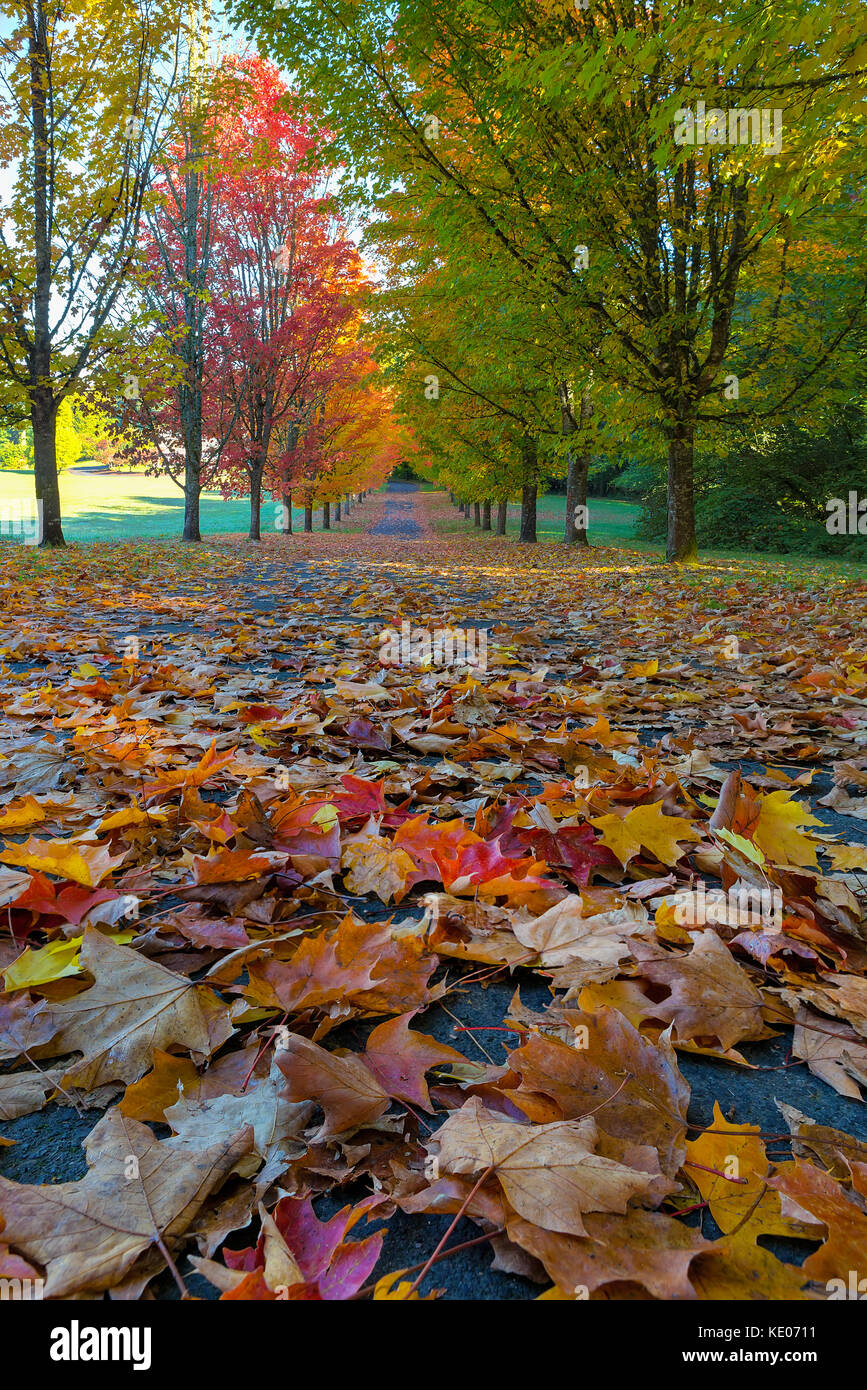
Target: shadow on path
column 399, row 518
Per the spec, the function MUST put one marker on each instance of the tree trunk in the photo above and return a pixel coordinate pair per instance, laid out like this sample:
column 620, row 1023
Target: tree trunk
column 502, row 508
column 192, row 498
column 308, row 516
column 682, row 547
column 43, row 418
column 326, row 516
column 486, row 516
column 529, row 460
column 43, row 406
column 477, row 514
column 337, row 510
column 575, row 525
column 256, row 505
column 528, row 514
column 575, row 531
column 451, row 497
column 287, row 513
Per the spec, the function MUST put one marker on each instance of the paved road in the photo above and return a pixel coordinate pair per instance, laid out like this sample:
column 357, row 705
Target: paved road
column 398, row 519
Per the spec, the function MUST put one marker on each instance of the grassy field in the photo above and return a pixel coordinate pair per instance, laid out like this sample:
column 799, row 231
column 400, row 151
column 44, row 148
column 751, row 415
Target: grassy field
column 613, row 522
column 131, row 506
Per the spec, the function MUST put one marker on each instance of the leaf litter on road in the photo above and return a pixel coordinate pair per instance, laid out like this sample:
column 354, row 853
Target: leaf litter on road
column 255, row 873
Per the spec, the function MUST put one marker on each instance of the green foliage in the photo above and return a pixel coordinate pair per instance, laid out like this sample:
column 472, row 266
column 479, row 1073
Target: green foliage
column 770, row 493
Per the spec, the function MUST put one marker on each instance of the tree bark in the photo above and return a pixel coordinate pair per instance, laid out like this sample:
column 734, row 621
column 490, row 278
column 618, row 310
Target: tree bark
column 192, row 499
column 682, row 547
column 287, row 513
column 43, row 406
column 477, row 514
column 486, row 516
column 579, row 465
column 256, row 505
column 43, row 418
column 576, row 496
column 528, row 514
column 326, row 516
column 529, row 461
column 308, row 516
column 502, row 511
column 337, row 510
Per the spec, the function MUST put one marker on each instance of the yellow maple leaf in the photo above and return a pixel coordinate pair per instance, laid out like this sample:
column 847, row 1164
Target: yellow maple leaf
column 87, row 864
column 387, row 1288
column 646, row 826
column 131, row 815
column 660, row 833
column 845, row 857
column 617, row 836
column 778, row 830
column 52, row 962
column 371, row 864
column 20, row 815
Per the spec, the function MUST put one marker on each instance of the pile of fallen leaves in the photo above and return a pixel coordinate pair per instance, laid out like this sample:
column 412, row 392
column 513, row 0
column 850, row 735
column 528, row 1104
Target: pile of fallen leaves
column 229, row 831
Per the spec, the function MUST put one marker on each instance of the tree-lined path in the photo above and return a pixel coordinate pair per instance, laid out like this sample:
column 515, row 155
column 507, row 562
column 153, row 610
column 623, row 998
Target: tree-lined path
column 382, row 903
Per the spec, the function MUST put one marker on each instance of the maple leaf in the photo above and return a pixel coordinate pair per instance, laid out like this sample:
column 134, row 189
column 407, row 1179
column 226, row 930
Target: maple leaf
column 146, row 1099
column 641, row 1247
column 56, row 961
column 21, row 814
column 645, row 1096
column 809, row 1189
column 573, row 848
column 832, row 1050
column 181, row 778
column 87, row 864
column 23, row 1025
column 343, row 1086
column 646, row 827
column 399, row 1056
column 304, row 1257
column 71, row 902
column 735, row 1151
column 778, row 830
column 711, row 996
column 233, row 866
column 200, row 1116
column 88, row 1234
column 563, row 935
column 354, row 1091
column 361, row 965
column 12, row 886
column 549, row 1173
column 371, row 864
column 133, row 1006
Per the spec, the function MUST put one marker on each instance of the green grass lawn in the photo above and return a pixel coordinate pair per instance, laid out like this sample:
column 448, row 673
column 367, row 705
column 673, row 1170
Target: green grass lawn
column 132, row 506
column 613, row 522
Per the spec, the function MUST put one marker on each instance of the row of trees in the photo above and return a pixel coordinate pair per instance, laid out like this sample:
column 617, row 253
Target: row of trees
column 609, row 228
column 171, row 254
